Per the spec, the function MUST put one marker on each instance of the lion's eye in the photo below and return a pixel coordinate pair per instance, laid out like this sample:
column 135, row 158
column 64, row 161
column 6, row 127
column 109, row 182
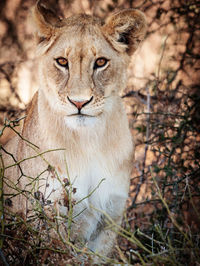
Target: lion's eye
column 100, row 62
column 62, row 61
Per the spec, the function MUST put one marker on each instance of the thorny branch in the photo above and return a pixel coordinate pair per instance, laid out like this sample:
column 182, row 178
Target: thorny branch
column 176, row 166
column 142, row 176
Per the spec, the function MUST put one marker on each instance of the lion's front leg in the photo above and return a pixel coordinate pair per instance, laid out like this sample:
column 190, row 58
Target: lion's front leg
column 103, row 239
column 108, row 219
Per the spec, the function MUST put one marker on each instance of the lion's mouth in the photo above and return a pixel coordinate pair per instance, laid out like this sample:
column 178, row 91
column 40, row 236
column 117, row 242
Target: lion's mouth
column 80, row 115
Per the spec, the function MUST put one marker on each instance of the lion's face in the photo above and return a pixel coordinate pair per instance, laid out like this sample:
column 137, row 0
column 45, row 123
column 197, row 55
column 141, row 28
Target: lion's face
column 81, row 72
column 83, row 66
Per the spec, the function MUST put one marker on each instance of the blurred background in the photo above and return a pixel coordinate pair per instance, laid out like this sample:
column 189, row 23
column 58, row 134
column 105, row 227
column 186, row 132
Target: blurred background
column 162, row 100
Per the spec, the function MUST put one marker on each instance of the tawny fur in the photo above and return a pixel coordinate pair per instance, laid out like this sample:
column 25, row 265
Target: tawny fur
column 97, row 144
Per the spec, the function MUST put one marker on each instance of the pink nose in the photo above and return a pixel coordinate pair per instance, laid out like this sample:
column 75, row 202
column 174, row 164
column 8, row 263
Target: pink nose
column 80, row 104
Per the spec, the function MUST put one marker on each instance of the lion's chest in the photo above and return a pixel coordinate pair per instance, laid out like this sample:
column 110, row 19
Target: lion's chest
column 81, row 189
column 88, row 183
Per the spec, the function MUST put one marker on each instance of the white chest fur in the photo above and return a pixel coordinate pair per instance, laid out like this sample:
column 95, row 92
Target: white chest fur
column 97, row 186
column 94, row 181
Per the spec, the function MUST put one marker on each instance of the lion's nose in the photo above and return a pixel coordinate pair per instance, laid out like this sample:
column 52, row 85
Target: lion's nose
column 79, row 104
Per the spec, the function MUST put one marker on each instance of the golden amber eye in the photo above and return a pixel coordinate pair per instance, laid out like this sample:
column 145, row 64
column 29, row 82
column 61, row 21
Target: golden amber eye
column 62, row 61
column 100, row 62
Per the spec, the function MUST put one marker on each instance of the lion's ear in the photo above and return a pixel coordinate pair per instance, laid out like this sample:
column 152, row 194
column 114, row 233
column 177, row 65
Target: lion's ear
column 125, row 30
column 45, row 19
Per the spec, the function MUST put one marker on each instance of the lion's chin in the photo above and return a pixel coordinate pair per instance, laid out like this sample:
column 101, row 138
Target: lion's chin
column 77, row 122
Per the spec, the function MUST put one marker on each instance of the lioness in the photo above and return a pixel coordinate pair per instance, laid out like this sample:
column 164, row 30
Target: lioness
column 77, row 113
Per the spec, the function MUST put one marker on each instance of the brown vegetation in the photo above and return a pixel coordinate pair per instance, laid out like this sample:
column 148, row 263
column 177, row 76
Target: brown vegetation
column 161, row 225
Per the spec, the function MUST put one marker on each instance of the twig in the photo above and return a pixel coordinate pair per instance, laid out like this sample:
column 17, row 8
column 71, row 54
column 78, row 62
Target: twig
column 16, row 123
column 10, row 154
column 142, row 176
column 3, row 258
column 168, row 210
column 91, row 191
column 32, row 157
column 2, row 168
column 161, row 58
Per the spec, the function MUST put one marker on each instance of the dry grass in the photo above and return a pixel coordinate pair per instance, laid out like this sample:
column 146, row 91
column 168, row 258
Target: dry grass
column 161, row 224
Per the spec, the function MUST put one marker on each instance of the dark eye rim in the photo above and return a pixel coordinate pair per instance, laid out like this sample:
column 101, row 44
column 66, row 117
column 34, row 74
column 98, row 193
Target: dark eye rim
column 97, row 66
column 57, row 61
